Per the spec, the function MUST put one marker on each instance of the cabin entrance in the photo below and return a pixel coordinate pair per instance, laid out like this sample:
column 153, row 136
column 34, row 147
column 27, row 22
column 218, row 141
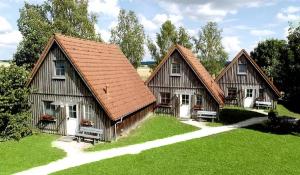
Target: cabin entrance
column 72, row 118
column 249, row 98
column 185, row 105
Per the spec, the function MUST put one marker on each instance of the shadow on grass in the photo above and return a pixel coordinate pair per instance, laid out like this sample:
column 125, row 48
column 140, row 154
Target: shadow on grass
column 233, row 115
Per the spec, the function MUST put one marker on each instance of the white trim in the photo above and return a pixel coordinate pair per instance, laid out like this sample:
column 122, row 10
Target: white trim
column 83, row 108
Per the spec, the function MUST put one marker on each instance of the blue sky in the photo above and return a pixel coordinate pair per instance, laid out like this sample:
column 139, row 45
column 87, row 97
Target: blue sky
column 244, row 23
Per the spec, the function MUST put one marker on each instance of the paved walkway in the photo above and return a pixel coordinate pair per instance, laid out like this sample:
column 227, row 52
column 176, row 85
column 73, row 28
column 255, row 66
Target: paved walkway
column 79, row 158
column 198, row 124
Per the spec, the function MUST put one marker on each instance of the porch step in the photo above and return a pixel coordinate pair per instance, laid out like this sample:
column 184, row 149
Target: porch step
column 66, row 138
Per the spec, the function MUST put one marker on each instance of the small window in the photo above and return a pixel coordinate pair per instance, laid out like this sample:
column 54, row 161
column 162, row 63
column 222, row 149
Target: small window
column 242, row 68
column 198, row 100
column 232, row 93
column 165, row 98
column 59, row 68
column 185, row 99
column 49, row 108
column 249, row 93
column 72, row 111
column 261, row 94
column 175, row 69
column 88, row 111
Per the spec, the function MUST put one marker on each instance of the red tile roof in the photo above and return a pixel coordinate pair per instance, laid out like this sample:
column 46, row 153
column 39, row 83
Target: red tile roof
column 104, row 66
column 255, row 65
column 199, row 70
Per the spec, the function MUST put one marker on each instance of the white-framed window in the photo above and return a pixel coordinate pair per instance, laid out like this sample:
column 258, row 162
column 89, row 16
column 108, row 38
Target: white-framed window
column 72, row 111
column 185, row 99
column 59, row 68
column 175, row 68
column 232, row 92
column 242, row 68
column 249, row 93
column 49, row 108
column 165, row 98
column 88, row 111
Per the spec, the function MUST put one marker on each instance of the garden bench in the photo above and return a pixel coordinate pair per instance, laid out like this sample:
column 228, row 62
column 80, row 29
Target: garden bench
column 264, row 104
column 89, row 133
column 207, row 114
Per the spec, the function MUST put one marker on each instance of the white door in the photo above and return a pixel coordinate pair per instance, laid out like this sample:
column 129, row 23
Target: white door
column 185, row 106
column 249, row 98
column 72, row 119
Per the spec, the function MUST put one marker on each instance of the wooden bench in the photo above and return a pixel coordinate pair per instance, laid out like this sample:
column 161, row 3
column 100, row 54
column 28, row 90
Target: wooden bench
column 207, row 115
column 264, row 104
column 89, row 133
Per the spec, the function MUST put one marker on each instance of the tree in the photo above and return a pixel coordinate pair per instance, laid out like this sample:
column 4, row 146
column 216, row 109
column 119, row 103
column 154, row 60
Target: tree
column 38, row 22
column 129, row 35
column 167, row 37
column 209, row 48
column 14, row 116
column 270, row 56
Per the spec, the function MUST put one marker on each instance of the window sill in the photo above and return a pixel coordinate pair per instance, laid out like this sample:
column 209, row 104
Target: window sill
column 59, row 77
column 175, row 75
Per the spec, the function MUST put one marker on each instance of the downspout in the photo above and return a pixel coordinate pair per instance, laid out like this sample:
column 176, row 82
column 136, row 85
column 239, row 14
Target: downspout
column 118, row 122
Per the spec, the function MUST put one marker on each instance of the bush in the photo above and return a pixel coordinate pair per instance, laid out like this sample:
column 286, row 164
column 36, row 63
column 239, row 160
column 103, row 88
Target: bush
column 15, row 126
column 272, row 114
column 233, row 115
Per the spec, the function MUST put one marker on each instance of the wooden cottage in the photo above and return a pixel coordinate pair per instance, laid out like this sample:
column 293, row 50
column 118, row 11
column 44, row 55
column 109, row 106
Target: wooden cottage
column 79, row 82
column 183, row 86
column 245, row 84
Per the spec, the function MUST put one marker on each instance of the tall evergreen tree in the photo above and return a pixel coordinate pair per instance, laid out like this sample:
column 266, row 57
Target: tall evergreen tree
column 129, row 35
column 38, row 22
column 167, row 37
column 209, row 48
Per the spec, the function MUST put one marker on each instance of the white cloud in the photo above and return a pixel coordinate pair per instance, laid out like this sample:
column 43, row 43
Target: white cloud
column 106, row 7
column 148, row 24
column 10, row 39
column 264, row 32
column 4, row 25
column 231, row 44
column 291, row 13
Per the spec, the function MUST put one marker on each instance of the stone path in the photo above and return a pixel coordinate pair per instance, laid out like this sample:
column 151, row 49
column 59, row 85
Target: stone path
column 77, row 158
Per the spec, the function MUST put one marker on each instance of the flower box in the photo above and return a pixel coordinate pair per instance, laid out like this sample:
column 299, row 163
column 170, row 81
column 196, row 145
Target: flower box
column 48, row 118
column 87, row 123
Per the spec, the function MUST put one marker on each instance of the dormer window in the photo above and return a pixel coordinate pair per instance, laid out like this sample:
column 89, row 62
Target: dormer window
column 175, row 69
column 59, row 69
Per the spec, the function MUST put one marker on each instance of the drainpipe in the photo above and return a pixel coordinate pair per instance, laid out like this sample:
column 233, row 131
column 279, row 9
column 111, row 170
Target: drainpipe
column 118, row 122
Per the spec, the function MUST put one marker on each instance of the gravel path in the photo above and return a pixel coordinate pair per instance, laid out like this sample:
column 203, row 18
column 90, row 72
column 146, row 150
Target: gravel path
column 77, row 158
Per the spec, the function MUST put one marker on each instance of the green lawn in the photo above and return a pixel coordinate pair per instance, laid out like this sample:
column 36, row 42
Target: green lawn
column 155, row 127
column 242, row 151
column 283, row 111
column 29, row 152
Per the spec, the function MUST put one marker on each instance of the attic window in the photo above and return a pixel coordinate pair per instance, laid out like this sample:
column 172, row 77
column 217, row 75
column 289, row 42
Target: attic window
column 175, row 69
column 242, row 68
column 59, row 69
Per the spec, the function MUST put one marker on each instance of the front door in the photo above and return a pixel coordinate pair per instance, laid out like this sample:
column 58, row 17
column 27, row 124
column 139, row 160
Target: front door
column 249, row 98
column 72, row 119
column 185, row 106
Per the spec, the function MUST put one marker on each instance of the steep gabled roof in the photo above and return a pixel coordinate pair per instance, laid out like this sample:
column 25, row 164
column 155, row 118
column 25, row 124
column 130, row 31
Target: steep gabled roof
column 198, row 69
column 259, row 70
column 103, row 66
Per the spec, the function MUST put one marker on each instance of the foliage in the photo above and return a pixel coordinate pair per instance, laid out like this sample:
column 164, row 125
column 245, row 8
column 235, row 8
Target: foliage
column 129, row 35
column 150, row 129
column 27, row 153
column 272, row 113
column 38, row 22
column 167, row 37
column 270, row 54
column 230, row 115
column 240, row 152
column 14, row 118
column 209, row 48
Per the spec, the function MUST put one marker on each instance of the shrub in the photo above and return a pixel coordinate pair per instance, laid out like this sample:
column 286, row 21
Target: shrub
column 233, row 115
column 272, row 114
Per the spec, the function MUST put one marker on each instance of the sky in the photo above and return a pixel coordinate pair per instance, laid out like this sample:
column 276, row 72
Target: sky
column 244, row 23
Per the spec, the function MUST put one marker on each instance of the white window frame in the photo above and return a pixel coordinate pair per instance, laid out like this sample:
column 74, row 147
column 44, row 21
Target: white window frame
column 242, row 64
column 88, row 111
column 177, row 68
column 44, row 108
column 60, row 76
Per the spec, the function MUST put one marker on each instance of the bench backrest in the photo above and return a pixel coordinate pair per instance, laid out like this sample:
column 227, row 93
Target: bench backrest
column 91, row 130
column 207, row 112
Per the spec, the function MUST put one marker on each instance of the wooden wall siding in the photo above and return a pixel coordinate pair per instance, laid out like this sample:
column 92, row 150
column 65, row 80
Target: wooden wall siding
column 71, row 89
column 132, row 119
column 188, row 81
column 251, row 79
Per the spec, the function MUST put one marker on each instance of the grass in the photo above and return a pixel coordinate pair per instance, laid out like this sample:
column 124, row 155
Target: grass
column 242, row 151
column 283, row 111
column 29, row 152
column 155, row 127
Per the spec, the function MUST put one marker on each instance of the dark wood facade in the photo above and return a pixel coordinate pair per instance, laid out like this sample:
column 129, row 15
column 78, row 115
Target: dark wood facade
column 230, row 78
column 71, row 90
column 185, row 83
